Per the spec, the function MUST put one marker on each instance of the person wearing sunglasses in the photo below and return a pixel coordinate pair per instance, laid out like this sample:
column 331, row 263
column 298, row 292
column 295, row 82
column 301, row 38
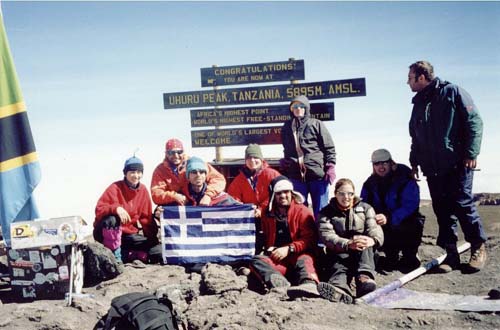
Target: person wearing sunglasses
column 169, row 178
column 348, row 228
column 309, row 154
column 394, row 194
column 195, row 188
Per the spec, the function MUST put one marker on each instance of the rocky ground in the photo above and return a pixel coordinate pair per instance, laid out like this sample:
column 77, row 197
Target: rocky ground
column 218, row 299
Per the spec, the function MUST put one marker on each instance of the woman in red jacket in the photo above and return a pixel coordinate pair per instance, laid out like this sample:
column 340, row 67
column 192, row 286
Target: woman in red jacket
column 122, row 211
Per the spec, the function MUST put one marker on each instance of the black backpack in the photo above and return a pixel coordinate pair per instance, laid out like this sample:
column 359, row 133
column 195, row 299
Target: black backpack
column 138, row 311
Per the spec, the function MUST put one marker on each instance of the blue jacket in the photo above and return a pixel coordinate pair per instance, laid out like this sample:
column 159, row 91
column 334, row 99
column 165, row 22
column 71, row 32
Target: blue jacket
column 402, row 198
column 445, row 128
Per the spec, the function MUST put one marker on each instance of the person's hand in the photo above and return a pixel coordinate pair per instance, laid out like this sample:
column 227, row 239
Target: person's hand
column 205, row 200
column 380, row 219
column 279, row 254
column 414, row 173
column 361, row 242
column 257, row 213
column 123, row 215
column 180, row 199
column 330, row 173
column 157, row 213
column 470, row 163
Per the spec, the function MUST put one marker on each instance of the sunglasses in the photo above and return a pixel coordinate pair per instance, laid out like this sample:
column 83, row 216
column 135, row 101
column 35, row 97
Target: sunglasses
column 198, row 172
column 381, row 163
column 345, row 193
column 173, row 152
column 298, row 106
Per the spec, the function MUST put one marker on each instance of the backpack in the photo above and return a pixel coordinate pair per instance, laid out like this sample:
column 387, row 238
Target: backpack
column 100, row 264
column 138, row 311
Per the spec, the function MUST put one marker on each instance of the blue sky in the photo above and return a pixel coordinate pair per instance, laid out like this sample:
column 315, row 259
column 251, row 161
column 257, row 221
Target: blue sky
column 93, row 75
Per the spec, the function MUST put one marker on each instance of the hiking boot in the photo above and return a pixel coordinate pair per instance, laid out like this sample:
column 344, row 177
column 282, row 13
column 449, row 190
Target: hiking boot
column 409, row 263
column 451, row 262
column 494, row 293
column 278, row 281
column 308, row 289
column 332, row 293
column 118, row 255
column 477, row 258
column 364, row 285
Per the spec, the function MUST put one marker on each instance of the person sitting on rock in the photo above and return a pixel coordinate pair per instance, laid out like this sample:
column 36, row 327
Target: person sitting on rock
column 169, row 177
column 122, row 211
column 289, row 239
column 350, row 233
column 395, row 196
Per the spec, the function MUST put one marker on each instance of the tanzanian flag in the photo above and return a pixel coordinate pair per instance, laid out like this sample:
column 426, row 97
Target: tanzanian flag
column 19, row 167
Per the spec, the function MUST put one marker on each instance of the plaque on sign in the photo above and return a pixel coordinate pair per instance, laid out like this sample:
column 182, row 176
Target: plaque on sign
column 271, row 114
column 265, row 94
column 252, row 73
column 236, row 136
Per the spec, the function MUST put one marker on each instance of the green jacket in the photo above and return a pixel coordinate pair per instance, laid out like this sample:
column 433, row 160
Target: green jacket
column 445, row 128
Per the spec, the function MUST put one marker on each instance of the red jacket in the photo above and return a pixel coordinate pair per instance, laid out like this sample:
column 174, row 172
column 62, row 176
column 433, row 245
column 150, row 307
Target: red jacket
column 241, row 189
column 135, row 201
column 165, row 184
column 301, row 225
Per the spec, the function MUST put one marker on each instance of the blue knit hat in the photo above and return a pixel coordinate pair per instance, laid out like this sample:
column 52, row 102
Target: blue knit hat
column 133, row 164
column 195, row 163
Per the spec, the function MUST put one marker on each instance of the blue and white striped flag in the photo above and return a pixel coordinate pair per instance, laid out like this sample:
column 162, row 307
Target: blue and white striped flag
column 202, row 234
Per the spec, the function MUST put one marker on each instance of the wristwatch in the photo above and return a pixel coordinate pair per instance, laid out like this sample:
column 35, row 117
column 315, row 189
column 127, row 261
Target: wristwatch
column 291, row 249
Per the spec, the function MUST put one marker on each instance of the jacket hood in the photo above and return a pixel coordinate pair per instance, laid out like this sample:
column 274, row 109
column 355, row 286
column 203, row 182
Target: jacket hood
column 302, row 99
column 429, row 90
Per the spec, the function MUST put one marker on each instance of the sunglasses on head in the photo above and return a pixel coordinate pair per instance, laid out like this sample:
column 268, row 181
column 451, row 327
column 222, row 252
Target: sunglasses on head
column 298, row 106
column 173, row 152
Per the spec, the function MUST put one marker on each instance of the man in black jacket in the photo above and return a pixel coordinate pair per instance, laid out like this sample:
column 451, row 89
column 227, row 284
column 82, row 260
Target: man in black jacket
column 446, row 132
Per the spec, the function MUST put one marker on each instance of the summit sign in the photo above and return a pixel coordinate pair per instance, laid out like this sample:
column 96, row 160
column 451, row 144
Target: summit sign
column 266, row 94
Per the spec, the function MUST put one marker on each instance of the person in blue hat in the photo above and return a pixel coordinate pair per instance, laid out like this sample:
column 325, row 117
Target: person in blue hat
column 122, row 212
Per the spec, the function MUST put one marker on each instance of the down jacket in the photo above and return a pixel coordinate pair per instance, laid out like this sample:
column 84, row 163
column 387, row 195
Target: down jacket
column 337, row 227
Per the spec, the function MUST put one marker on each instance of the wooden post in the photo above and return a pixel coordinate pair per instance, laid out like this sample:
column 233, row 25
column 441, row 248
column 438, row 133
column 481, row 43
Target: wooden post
column 218, row 149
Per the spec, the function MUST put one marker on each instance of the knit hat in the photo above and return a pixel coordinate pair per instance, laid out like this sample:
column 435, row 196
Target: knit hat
column 195, row 163
column 304, row 100
column 133, row 164
column 173, row 144
column 381, row 155
column 281, row 183
column 253, row 150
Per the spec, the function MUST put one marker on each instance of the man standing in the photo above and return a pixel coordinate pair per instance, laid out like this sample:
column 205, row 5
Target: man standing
column 289, row 239
column 309, row 154
column 395, row 196
column 169, row 177
column 446, row 132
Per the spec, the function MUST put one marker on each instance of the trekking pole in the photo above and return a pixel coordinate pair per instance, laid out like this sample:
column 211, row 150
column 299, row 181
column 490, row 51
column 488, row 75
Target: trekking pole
column 71, row 269
column 408, row 277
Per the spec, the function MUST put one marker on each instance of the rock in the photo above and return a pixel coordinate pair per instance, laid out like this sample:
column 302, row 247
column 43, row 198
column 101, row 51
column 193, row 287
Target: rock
column 217, row 279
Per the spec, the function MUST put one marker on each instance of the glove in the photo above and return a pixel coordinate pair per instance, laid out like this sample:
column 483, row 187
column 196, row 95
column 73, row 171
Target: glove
column 330, row 173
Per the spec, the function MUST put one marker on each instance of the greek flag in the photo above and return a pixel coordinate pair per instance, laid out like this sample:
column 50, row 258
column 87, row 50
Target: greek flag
column 202, row 234
column 19, row 166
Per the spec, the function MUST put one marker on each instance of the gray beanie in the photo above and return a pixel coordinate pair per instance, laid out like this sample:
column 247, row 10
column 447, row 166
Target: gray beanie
column 253, row 150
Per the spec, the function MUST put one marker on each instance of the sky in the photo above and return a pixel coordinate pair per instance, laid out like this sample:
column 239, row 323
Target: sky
column 93, row 76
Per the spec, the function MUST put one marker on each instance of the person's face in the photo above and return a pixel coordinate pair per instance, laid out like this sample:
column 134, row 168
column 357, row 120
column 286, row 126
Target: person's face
column 382, row 168
column 416, row 83
column 283, row 198
column 174, row 156
column 133, row 177
column 253, row 163
column 345, row 195
column 298, row 109
column 197, row 177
